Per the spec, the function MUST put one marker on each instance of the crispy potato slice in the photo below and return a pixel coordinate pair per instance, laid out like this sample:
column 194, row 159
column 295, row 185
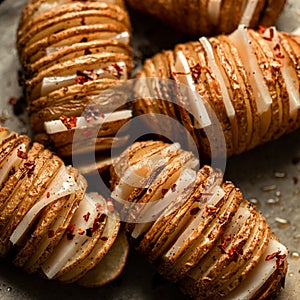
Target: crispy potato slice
column 110, row 267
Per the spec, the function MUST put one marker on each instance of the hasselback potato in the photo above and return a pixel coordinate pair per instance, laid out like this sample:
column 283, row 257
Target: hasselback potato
column 70, row 52
column 49, row 223
column 211, row 17
column 249, row 80
column 197, row 229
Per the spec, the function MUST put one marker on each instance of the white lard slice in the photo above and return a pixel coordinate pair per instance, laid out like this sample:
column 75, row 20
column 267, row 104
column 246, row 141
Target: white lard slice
column 183, row 74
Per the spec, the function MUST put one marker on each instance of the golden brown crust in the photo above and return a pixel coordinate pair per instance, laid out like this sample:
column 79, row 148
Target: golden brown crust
column 249, row 125
column 210, row 243
column 194, row 19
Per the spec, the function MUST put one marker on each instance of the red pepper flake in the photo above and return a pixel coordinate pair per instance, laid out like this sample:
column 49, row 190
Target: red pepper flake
column 110, row 205
column 51, row 234
column 22, row 154
column 102, row 218
column 104, row 239
column 86, row 216
column 87, row 133
column 224, row 241
column 80, row 231
column 272, row 255
column 261, row 28
column 118, row 70
column 277, row 47
column 29, row 166
column 234, row 253
column 279, row 258
column 48, row 195
column 279, row 55
column 210, row 209
column 70, row 232
column 295, row 180
column 85, row 76
column 196, row 72
column 196, row 198
column 164, row 191
column 269, row 34
column 13, row 100
column 194, row 211
column 69, row 122
column 99, row 207
column 96, row 225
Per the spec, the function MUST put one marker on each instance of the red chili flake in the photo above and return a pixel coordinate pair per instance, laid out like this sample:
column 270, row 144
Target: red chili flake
column 104, row 239
column 279, row 257
column 110, row 205
column 194, row 211
column 29, row 166
column 87, row 133
column 85, row 76
column 22, row 154
column 270, row 35
column 86, row 216
column 118, row 70
column 234, row 253
column 173, row 187
column 261, row 28
column 196, row 71
column 13, row 100
column 102, row 218
column 277, row 47
column 80, row 231
column 69, row 122
column 48, row 195
column 164, row 191
column 96, row 224
column 210, row 209
column 272, row 255
column 196, row 198
column 99, row 206
column 279, row 55
column 51, row 234
column 70, row 232
column 295, row 180
column 224, row 241
column 180, row 73
column 279, row 261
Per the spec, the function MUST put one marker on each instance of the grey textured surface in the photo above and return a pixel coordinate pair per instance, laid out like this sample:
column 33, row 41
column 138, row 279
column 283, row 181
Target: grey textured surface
column 264, row 174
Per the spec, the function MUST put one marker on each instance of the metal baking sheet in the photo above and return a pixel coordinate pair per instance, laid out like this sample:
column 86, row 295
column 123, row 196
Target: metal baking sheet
column 268, row 176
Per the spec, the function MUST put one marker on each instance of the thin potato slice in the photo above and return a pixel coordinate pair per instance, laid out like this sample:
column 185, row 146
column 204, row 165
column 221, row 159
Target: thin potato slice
column 110, row 267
